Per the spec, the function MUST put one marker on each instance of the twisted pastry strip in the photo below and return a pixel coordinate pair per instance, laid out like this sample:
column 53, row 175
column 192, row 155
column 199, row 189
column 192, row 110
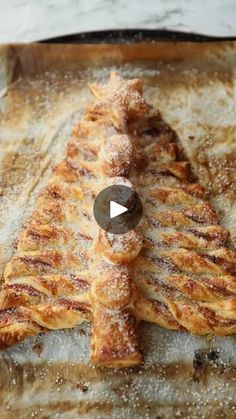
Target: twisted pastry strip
column 15, row 326
column 31, row 305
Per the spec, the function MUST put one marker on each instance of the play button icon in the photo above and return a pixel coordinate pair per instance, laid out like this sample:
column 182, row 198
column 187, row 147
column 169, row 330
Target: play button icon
column 117, row 209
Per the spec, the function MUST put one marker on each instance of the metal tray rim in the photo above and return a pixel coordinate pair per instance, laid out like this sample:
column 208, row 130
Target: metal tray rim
column 134, row 35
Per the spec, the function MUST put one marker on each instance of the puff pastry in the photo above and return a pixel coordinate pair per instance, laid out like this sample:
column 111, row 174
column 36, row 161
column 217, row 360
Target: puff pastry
column 175, row 269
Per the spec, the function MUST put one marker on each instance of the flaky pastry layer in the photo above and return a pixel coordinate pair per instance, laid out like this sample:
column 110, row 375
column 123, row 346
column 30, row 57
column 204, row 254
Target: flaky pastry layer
column 175, row 269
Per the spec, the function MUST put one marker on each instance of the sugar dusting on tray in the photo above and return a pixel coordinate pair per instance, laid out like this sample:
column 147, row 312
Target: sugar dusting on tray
column 183, row 375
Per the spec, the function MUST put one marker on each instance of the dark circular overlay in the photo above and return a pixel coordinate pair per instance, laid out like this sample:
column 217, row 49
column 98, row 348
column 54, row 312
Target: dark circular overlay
column 122, row 195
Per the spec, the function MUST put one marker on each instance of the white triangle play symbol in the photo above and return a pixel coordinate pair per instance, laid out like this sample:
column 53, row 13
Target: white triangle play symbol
column 116, row 209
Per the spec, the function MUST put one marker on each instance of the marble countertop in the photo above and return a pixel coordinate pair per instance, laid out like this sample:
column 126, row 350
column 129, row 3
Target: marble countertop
column 32, row 20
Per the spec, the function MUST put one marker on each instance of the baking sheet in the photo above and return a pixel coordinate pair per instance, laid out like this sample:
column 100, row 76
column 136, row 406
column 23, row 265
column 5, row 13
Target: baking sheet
column 43, row 91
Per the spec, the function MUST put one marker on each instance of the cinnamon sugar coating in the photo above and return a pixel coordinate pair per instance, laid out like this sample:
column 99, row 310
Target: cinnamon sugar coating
column 176, row 269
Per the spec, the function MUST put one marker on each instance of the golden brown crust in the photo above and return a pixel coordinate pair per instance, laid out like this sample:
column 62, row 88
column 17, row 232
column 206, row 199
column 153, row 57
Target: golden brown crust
column 115, row 344
column 175, row 269
column 123, row 248
column 114, row 289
